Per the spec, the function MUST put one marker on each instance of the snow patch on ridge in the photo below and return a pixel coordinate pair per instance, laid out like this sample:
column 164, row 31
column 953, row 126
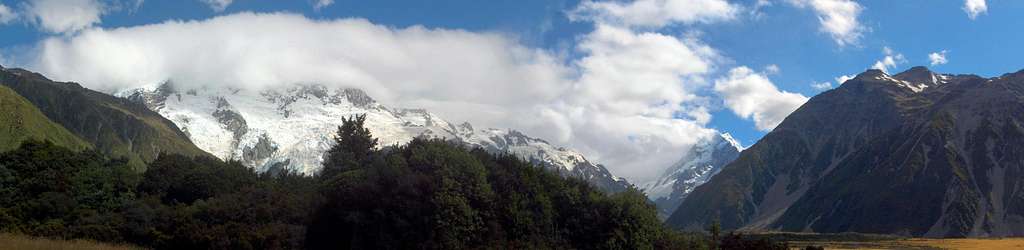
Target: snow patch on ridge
column 693, row 169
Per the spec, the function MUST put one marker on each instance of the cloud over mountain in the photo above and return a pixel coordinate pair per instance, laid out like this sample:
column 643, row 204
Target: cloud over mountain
column 629, row 102
column 751, row 95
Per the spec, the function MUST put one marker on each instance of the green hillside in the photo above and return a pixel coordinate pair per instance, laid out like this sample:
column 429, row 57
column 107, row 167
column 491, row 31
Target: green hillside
column 114, row 126
column 20, row 121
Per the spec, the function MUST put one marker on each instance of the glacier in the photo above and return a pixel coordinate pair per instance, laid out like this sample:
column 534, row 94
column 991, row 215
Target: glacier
column 291, row 128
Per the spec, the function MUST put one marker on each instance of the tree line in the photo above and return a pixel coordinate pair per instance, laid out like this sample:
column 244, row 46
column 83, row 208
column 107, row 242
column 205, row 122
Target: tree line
column 427, row 194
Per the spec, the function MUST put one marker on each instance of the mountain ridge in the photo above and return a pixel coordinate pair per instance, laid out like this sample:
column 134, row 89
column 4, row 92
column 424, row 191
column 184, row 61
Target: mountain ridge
column 21, row 121
column 114, row 126
column 947, row 146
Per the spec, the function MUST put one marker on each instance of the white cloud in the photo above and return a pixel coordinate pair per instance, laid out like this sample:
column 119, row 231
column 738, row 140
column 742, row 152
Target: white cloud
column 838, row 18
column 843, row 78
column 6, row 14
column 890, row 60
column 218, row 5
column 937, row 58
column 654, row 13
column 772, row 69
column 630, row 102
column 633, row 88
column 975, row 8
column 756, row 10
column 64, row 16
column 320, row 4
column 753, row 96
column 822, row 86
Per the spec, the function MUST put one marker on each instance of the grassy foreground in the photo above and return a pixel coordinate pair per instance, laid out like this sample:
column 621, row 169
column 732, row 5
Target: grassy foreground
column 10, row 241
column 919, row 243
column 880, row 241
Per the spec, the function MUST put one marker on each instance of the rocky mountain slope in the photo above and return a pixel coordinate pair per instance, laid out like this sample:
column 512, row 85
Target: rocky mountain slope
column 114, row 126
column 917, row 153
column 293, row 127
column 20, row 121
column 694, row 168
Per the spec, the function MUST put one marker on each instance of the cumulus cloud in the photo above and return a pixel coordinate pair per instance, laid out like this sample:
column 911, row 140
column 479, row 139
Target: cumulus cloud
column 890, row 60
column 975, row 8
column 636, row 90
column 320, row 4
column 838, row 18
column 64, row 16
column 220, row 5
column 937, row 58
column 822, row 86
column 629, row 102
column 654, row 13
column 752, row 96
column 6, row 14
column 843, row 78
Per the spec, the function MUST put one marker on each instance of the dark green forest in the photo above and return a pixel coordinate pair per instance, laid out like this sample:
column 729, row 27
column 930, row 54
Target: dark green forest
column 428, row 194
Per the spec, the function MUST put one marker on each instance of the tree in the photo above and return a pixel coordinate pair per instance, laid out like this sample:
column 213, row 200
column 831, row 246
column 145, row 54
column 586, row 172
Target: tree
column 716, row 230
column 353, row 147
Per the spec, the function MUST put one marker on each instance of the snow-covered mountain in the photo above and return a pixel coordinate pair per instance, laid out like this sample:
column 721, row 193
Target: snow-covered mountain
column 293, row 127
column 694, row 168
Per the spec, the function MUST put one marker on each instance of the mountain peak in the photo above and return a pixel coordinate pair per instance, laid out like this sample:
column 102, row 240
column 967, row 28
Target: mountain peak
column 917, row 69
column 918, row 74
column 871, row 74
column 916, row 79
column 732, row 141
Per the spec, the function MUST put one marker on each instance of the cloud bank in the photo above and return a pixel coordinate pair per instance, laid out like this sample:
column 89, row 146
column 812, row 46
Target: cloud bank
column 629, row 102
column 632, row 98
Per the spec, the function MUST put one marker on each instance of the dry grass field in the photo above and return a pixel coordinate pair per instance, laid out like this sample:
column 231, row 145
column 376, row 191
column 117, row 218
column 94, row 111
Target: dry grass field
column 968, row 244
column 20, row 242
column 917, row 243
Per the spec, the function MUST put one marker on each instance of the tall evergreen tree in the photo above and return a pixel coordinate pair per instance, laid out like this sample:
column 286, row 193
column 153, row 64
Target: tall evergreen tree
column 354, row 146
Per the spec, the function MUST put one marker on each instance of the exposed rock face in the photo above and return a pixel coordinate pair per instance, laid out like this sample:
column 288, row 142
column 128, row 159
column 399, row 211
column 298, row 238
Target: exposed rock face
column 694, row 168
column 917, row 153
column 292, row 128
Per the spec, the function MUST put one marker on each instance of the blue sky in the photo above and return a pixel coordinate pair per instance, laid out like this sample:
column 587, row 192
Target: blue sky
column 788, row 34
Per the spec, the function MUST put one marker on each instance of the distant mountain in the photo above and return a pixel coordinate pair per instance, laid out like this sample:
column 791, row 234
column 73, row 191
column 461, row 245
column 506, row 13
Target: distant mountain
column 917, row 153
column 695, row 167
column 114, row 126
column 293, row 127
column 20, row 121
